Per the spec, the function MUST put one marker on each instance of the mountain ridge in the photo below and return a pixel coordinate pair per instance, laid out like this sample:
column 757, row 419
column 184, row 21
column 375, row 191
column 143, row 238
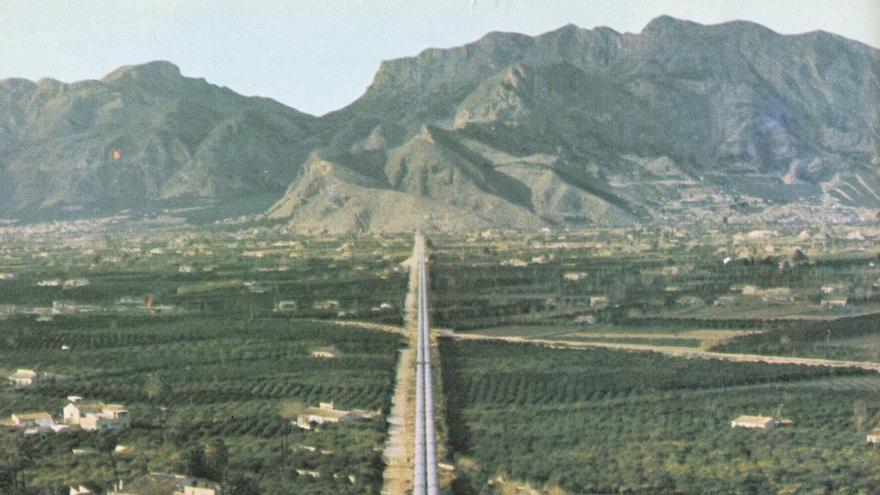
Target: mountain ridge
column 139, row 136
column 573, row 127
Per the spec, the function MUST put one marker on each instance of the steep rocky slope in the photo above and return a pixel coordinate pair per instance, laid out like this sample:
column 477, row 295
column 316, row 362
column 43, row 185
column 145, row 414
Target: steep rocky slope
column 574, row 127
column 582, row 127
column 143, row 135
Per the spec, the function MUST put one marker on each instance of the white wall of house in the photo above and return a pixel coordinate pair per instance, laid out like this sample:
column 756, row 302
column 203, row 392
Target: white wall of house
column 71, row 414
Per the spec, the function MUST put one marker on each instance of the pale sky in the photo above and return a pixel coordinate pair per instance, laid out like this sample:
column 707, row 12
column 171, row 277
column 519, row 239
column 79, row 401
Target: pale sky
column 320, row 55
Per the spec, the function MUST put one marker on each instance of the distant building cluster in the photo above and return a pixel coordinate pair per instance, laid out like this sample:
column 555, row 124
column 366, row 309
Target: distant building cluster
column 84, row 415
column 166, row 484
column 95, row 416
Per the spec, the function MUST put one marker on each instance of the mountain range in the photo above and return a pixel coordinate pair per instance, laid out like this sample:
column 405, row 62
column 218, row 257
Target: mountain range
column 572, row 128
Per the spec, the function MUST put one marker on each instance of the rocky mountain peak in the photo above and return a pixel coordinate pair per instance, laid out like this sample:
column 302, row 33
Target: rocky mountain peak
column 157, row 73
column 571, row 127
column 666, row 23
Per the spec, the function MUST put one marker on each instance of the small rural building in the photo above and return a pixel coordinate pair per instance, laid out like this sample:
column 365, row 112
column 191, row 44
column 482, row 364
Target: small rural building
column 257, row 288
column 749, row 290
column 166, row 484
column 80, row 490
column 726, row 301
column 95, row 416
column 324, row 352
column 23, row 378
column 327, row 414
column 585, row 320
column 75, row 282
column 670, row 271
column 835, row 289
column 834, row 302
column 326, row 305
column 284, row 306
column 42, row 420
column 598, row 302
column 874, row 436
column 775, row 295
column 75, row 409
column 382, row 308
column 758, row 422
column 308, row 472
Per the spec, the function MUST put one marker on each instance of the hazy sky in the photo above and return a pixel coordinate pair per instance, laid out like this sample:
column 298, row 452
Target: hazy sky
column 319, row 55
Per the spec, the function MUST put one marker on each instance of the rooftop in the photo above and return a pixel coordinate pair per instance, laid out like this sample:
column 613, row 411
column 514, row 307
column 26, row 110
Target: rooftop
column 33, row 415
column 325, row 413
column 24, row 373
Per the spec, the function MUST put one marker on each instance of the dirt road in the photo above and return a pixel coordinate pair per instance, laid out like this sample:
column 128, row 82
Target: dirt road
column 686, row 352
column 398, row 453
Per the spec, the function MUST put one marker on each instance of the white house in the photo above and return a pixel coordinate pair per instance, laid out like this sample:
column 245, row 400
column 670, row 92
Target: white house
column 836, row 289
column 75, row 282
column 80, row 490
column 94, row 416
column 198, row 488
column 283, row 306
column 585, row 320
column 874, row 436
column 598, row 302
column 834, row 302
column 325, row 305
column 775, row 295
column 324, row 352
column 309, row 472
column 23, row 378
column 758, row 422
column 166, row 484
column 726, row 301
column 41, row 420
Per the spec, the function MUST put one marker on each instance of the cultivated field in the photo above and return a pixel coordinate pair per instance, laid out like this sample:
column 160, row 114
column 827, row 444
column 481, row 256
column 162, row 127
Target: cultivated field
column 191, row 384
column 601, row 421
column 209, row 342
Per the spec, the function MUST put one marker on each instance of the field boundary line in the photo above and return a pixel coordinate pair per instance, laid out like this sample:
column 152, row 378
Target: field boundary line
column 684, row 352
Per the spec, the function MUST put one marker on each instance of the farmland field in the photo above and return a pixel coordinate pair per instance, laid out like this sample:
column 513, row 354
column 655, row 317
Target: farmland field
column 524, row 415
column 208, row 337
column 193, row 383
column 584, row 282
column 855, row 338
